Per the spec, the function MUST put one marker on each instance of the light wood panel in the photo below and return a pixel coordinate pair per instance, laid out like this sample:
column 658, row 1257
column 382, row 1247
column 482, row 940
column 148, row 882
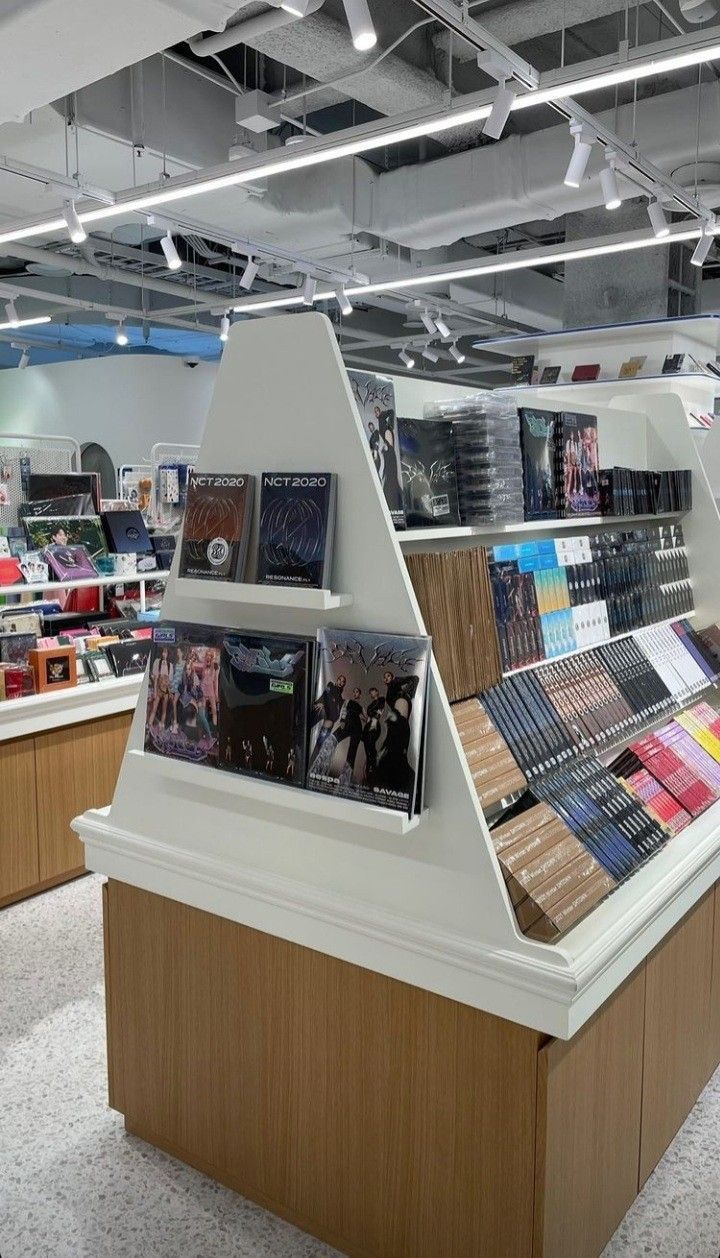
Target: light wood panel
column 677, row 1030
column 77, row 769
column 389, row 1121
column 19, row 866
column 589, row 1106
column 714, row 1031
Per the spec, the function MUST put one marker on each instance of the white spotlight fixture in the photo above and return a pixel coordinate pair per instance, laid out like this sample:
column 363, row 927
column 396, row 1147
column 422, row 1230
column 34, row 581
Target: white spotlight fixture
column 24, row 356
column 121, row 336
column 656, row 214
column 609, row 183
column 705, row 243
column 76, row 231
column 457, row 354
column 361, row 26
column 11, row 313
column 431, row 354
column 172, row 257
column 442, row 326
column 309, row 290
column 500, row 112
column 224, row 327
column 343, row 300
column 583, row 143
column 428, row 322
column 249, row 275
column 407, row 359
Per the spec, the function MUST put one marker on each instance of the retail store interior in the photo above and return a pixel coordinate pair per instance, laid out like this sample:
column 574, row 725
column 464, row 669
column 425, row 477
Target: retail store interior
column 360, row 628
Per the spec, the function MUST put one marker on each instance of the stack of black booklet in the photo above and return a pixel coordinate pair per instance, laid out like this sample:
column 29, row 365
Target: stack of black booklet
column 632, row 491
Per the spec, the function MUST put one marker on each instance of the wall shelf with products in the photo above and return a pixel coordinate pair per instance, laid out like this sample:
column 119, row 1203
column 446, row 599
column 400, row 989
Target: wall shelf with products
column 618, row 637
column 578, row 523
column 52, row 710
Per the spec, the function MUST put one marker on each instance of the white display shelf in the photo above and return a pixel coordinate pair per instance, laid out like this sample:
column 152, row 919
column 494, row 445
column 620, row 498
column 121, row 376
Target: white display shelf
column 141, row 578
column 290, row 801
column 612, row 382
column 51, row 710
column 407, row 536
column 582, row 650
column 512, row 346
column 239, row 592
column 433, row 912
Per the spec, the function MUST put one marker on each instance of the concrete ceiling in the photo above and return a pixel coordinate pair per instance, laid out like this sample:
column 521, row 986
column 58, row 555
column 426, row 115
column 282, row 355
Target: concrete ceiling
column 86, row 94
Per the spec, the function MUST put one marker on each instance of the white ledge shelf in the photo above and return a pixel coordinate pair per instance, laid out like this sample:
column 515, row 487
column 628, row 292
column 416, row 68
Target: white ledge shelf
column 52, row 710
column 288, row 799
column 406, row 536
column 139, row 578
column 592, row 646
column 243, row 592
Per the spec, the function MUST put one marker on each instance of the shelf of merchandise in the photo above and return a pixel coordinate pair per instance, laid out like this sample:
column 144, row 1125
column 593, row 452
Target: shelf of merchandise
column 141, row 578
column 86, row 702
column 237, row 592
column 433, row 913
column 408, row 536
column 614, row 381
column 581, row 650
column 290, row 800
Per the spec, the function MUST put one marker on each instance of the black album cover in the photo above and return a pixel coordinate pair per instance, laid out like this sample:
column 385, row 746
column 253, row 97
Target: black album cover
column 126, row 532
column 429, row 478
column 264, row 692
column 537, row 440
column 130, row 656
column 580, row 490
column 216, row 527
column 375, row 399
column 297, row 524
column 368, row 720
column 42, row 485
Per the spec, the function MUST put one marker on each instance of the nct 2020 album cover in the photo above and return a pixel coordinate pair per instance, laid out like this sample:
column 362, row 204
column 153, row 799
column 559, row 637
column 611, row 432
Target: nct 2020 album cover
column 367, row 725
column 297, row 524
column 265, row 684
column 182, row 707
column 216, row 527
column 375, row 400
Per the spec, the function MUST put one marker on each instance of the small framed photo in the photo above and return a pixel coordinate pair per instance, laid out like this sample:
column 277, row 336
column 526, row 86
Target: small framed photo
column 55, row 668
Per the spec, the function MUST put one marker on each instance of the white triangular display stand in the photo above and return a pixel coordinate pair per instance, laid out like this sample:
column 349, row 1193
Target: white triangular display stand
column 420, row 901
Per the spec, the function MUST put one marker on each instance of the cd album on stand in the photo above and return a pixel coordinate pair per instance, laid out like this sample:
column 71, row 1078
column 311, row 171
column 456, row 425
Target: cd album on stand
column 297, row 524
column 216, row 528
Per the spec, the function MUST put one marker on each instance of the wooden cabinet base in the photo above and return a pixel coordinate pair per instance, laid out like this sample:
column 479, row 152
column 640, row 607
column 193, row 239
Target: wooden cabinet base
column 385, row 1120
column 48, row 779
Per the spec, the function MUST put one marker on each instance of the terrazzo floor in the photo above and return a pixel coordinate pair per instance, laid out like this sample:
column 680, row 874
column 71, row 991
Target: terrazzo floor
column 73, row 1184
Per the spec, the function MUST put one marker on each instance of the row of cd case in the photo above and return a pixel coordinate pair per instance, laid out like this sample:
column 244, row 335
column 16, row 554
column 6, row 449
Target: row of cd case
column 344, row 714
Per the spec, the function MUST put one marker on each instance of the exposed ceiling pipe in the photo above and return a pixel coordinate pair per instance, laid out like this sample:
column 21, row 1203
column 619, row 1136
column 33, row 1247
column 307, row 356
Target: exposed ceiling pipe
column 111, row 274
column 251, row 28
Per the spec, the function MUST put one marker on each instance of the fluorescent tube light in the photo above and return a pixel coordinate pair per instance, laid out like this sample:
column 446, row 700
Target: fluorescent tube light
column 26, row 323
